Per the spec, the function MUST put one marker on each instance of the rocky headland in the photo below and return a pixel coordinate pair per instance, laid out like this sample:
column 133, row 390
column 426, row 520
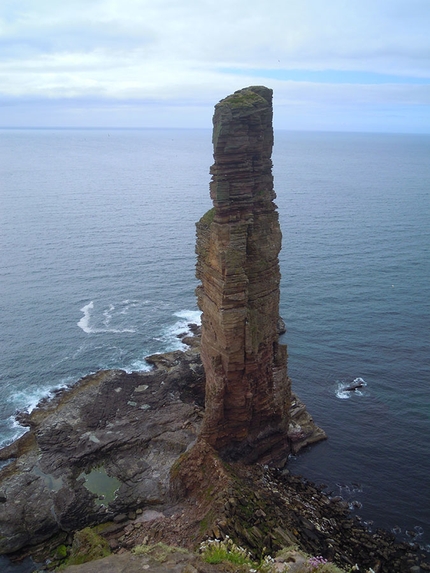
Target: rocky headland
column 196, row 447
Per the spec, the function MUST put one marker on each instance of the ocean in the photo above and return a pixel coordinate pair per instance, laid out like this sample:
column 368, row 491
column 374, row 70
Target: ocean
column 97, row 268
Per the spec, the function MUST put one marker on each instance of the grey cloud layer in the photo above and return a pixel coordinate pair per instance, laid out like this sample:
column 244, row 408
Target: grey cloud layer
column 173, row 50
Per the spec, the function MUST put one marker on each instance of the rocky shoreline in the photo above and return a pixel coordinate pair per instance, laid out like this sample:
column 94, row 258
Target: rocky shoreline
column 111, row 432
column 128, row 432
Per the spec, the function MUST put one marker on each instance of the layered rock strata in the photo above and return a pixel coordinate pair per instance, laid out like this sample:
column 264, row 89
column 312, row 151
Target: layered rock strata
column 247, row 388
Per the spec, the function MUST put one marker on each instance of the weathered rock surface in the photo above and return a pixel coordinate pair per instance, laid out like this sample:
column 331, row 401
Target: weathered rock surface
column 103, row 448
column 302, row 430
column 247, row 388
column 263, row 510
column 176, row 562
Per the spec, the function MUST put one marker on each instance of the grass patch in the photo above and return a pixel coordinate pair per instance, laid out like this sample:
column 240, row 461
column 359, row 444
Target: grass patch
column 207, row 218
column 243, row 98
column 215, row 551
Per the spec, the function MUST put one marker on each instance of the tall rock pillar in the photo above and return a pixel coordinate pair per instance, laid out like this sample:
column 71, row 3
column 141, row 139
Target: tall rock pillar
column 238, row 241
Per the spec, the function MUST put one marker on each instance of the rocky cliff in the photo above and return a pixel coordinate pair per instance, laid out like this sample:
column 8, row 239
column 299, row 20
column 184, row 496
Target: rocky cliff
column 248, row 391
column 106, row 446
column 137, row 454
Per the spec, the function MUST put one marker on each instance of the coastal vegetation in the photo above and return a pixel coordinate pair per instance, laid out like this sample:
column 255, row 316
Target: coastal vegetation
column 87, row 546
column 289, row 559
column 225, row 554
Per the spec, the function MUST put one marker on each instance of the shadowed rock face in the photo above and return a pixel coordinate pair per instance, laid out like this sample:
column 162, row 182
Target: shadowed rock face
column 247, row 388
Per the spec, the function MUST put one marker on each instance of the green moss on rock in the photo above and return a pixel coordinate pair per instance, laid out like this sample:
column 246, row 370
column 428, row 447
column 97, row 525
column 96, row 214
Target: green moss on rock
column 243, row 98
column 207, row 218
column 87, row 546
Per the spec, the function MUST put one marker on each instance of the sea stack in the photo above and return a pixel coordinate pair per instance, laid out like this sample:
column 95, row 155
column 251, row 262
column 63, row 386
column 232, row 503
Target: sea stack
column 248, row 392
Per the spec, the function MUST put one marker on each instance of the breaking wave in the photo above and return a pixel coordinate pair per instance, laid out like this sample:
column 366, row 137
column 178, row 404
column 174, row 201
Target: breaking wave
column 171, row 337
column 86, row 322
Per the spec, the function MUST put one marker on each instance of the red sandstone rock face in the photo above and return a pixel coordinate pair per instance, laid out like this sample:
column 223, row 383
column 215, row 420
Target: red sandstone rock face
column 238, row 242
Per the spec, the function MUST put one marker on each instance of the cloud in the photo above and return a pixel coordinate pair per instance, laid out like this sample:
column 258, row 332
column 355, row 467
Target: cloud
column 197, row 51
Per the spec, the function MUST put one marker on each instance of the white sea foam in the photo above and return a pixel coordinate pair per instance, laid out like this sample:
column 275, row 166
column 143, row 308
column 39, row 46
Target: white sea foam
column 127, row 304
column 107, row 313
column 29, row 398
column 182, row 326
column 138, row 366
column 114, row 330
column 16, row 431
column 170, row 337
column 191, row 316
column 341, row 390
column 86, row 320
column 342, row 394
column 26, row 401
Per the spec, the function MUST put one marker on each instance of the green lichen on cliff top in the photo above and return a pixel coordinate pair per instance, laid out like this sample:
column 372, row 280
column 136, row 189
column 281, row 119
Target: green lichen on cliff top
column 248, row 97
column 207, row 218
column 244, row 98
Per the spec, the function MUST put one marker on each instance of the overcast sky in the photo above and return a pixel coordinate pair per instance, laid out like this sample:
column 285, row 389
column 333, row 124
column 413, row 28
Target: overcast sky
column 356, row 65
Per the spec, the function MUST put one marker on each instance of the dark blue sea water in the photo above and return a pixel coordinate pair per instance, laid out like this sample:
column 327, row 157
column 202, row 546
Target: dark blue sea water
column 97, row 271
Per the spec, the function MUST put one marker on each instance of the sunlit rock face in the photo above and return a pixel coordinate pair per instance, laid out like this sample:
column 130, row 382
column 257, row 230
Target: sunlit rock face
column 238, row 241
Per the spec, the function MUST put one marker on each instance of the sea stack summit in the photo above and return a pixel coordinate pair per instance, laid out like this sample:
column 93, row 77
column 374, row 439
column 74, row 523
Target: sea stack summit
column 248, row 392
